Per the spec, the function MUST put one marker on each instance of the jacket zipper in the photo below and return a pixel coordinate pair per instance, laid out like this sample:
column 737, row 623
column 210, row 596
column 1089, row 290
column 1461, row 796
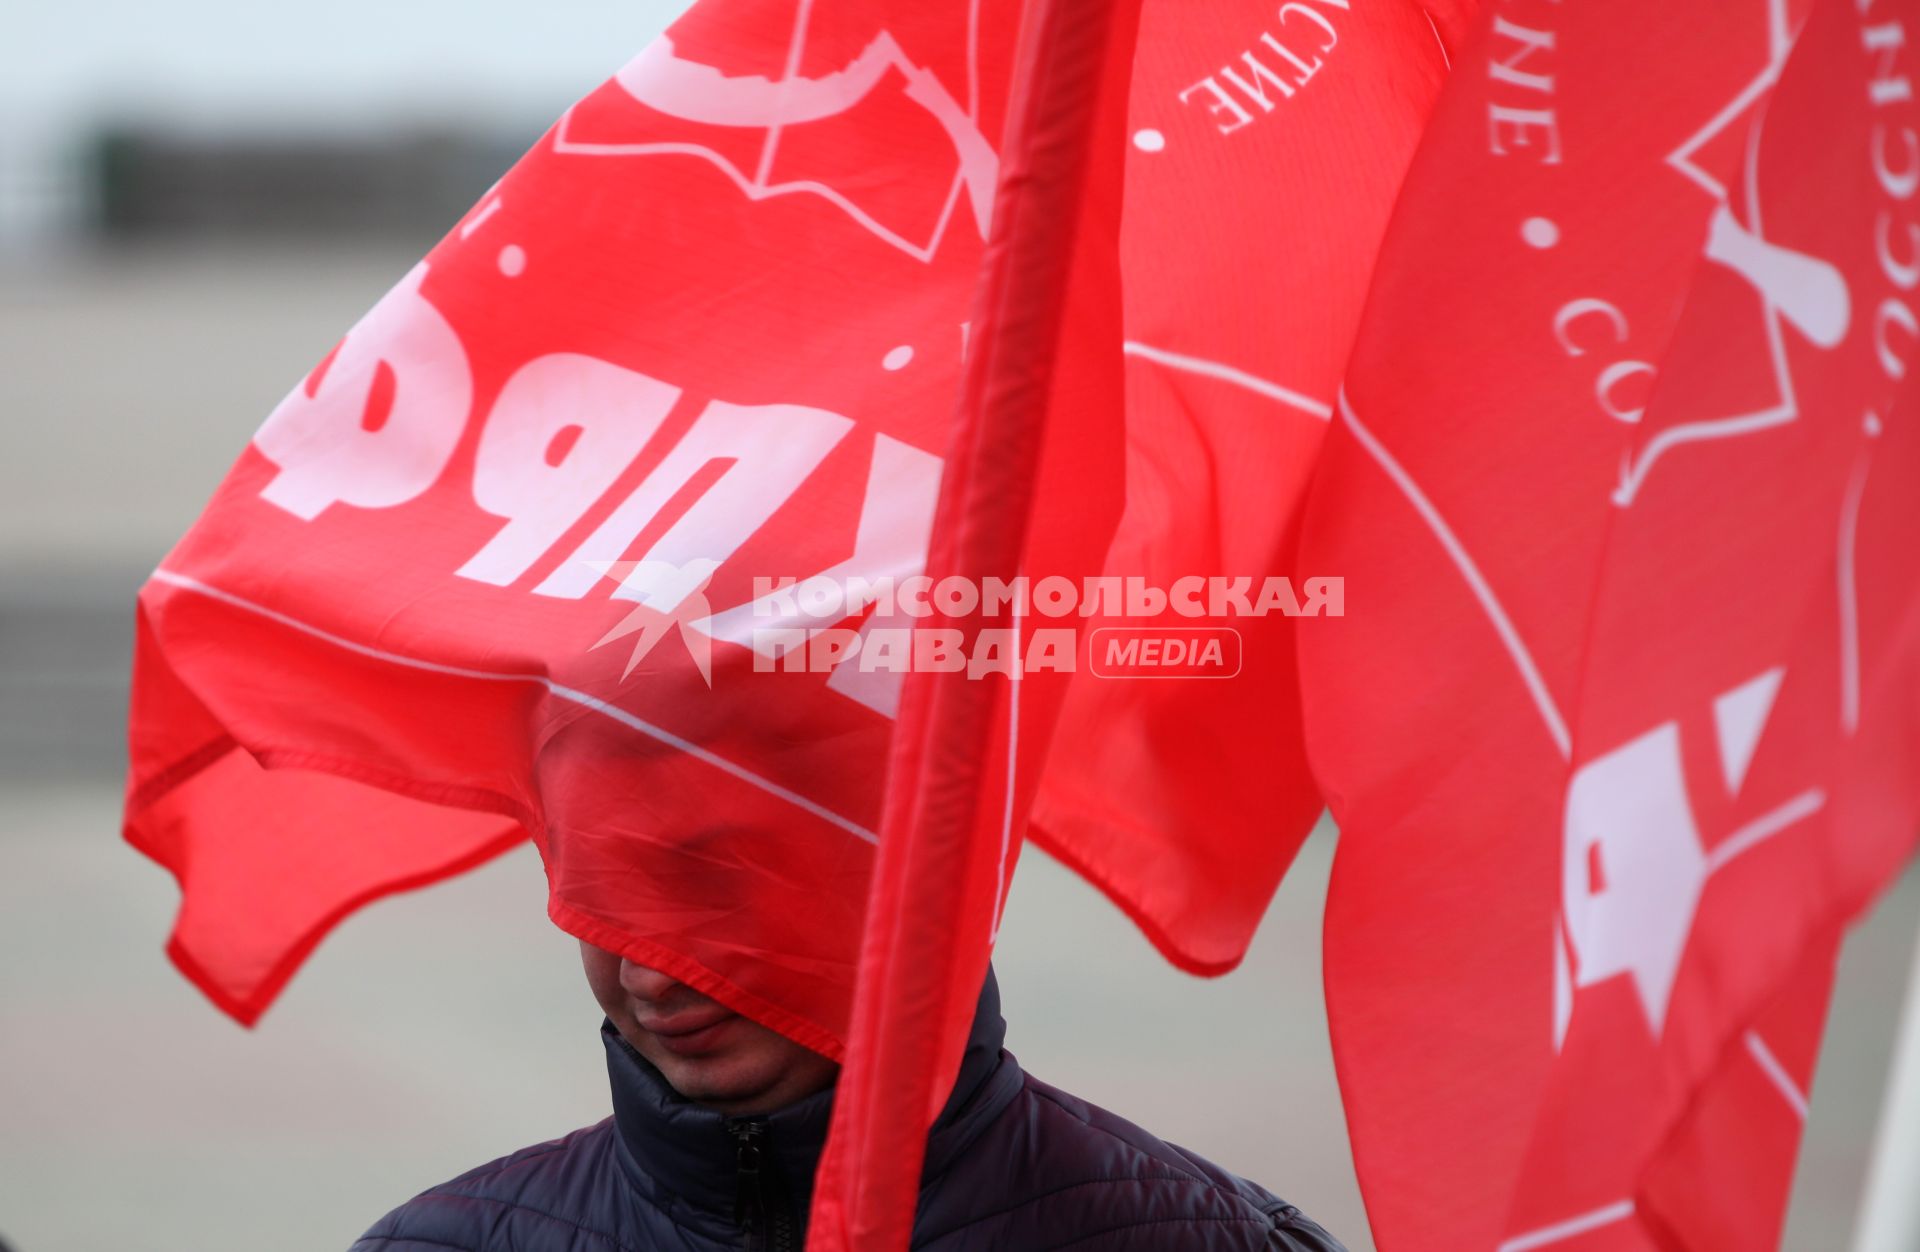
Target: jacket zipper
column 783, row 1237
column 759, row 1206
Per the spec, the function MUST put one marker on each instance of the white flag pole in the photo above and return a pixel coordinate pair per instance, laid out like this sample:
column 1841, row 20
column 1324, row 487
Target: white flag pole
column 1890, row 1206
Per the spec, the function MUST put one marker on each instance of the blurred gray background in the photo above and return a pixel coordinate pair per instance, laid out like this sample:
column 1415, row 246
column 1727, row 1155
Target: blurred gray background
column 196, row 200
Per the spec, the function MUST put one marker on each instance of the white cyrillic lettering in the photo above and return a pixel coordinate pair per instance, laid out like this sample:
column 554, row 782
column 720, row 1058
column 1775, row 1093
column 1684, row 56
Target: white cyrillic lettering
column 1893, row 310
column 1286, row 54
column 1251, row 88
column 830, row 647
column 956, row 596
column 1277, row 593
column 1573, row 310
column 375, row 426
column 1902, row 274
column 1526, row 42
column 1051, row 648
column 888, row 651
column 1326, row 597
column 772, row 448
column 1611, row 377
column 1102, row 597
column 1885, row 42
column 1333, row 36
column 1903, row 182
column 1519, row 120
column 1229, row 596
column 995, row 652
column 1144, row 599
column 1055, row 596
column 1220, row 103
column 562, row 432
column 1001, row 595
column 938, row 651
column 785, row 644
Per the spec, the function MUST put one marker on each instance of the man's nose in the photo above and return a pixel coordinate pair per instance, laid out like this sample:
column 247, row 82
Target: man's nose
column 643, row 983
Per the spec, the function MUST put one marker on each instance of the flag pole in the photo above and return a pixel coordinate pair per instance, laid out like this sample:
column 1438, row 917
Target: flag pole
column 1890, row 1204
column 923, row 948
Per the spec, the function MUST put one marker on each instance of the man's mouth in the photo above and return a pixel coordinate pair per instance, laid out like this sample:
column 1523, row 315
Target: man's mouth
column 688, row 1033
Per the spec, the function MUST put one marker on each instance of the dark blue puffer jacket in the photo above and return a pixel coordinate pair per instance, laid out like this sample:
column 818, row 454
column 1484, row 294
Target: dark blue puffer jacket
column 1013, row 1165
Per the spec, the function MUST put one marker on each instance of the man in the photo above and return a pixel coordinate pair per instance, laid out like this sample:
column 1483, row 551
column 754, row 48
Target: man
column 718, row 1123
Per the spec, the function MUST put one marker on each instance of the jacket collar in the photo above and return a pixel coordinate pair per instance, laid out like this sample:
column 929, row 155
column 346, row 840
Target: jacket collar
column 681, row 1154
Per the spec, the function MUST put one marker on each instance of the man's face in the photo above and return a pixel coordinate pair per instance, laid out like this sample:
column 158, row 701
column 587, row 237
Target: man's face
column 707, row 1053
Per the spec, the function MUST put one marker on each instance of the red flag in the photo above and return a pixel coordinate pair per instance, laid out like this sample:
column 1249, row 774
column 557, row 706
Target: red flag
column 511, row 560
column 506, row 562
column 1266, row 149
column 1620, row 728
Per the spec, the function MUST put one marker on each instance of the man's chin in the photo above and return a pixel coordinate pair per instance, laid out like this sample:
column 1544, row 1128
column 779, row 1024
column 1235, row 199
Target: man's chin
column 727, row 1084
column 732, row 1066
